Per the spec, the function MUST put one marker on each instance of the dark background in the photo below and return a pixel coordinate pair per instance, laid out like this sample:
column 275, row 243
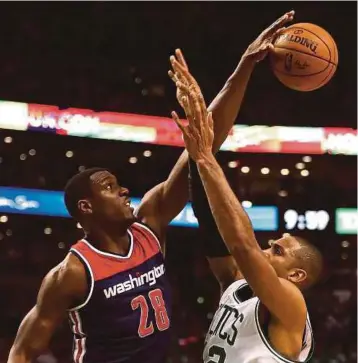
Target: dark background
column 88, row 54
column 114, row 56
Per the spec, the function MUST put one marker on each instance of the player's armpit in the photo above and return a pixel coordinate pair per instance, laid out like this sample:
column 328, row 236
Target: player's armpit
column 62, row 287
column 225, row 270
column 281, row 297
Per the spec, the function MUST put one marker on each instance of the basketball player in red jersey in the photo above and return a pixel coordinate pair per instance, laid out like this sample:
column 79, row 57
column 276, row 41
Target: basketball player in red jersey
column 112, row 285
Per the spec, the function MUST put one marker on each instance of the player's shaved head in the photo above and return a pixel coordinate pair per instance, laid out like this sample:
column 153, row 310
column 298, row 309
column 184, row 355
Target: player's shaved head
column 308, row 258
column 296, row 259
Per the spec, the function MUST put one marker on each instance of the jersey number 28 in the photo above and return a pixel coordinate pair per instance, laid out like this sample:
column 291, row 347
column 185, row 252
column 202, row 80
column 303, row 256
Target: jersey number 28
column 158, row 305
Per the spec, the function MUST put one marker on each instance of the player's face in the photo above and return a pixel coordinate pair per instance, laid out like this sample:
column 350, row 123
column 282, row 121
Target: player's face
column 281, row 257
column 110, row 202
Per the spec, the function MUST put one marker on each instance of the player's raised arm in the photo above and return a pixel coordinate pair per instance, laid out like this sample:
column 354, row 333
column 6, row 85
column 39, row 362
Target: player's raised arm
column 284, row 300
column 63, row 286
column 161, row 204
column 221, row 262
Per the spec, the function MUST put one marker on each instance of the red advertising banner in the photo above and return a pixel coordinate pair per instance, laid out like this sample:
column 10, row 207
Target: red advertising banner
column 163, row 131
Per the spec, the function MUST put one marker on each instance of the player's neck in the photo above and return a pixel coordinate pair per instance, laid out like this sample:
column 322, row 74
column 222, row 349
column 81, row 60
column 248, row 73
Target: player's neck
column 110, row 241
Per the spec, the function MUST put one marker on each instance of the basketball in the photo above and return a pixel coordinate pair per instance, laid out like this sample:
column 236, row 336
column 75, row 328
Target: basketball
column 305, row 57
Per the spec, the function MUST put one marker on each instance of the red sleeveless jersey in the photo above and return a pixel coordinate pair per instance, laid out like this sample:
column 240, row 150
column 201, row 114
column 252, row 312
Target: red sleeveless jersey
column 126, row 315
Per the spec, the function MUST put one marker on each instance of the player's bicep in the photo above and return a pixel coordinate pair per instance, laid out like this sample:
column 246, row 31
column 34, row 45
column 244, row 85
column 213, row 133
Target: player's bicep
column 280, row 297
column 56, row 296
column 33, row 336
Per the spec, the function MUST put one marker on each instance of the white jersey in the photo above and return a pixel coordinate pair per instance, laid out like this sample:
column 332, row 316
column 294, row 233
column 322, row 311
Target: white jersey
column 235, row 335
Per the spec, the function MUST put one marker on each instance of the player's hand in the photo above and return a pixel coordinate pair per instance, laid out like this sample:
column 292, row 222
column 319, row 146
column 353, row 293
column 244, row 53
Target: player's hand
column 180, row 75
column 199, row 133
column 259, row 48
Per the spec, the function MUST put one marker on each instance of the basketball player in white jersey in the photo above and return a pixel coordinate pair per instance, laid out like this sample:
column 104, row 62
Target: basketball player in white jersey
column 262, row 315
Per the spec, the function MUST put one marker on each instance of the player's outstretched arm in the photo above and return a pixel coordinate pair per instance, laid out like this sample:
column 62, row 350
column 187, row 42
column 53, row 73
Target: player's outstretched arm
column 162, row 203
column 284, row 301
column 62, row 287
column 222, row 264
column 281, row 297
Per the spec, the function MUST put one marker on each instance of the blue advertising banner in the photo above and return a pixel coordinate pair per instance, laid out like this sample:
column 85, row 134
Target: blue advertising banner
column 51, row 203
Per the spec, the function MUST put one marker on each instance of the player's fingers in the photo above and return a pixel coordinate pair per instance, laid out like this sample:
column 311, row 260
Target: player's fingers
column 202, row 104
column 279, row 23
column 180, row 83
column 173, row 76
column 277, row 33
column 181, row 58
column 178, row 68
column 188, row 109
column 210, row 120
column 183, row 87
column 266, row 45
column 198, row 114
column 291, row 15
column 280, row 30
column 181, row 78
column 176, row 119
column 270, row 47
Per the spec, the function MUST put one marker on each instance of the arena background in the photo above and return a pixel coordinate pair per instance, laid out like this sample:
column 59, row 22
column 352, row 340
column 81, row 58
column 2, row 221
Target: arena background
column 107, row 56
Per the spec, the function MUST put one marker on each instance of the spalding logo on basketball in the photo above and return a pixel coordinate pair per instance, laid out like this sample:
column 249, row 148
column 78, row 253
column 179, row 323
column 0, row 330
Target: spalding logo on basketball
column 305, row 57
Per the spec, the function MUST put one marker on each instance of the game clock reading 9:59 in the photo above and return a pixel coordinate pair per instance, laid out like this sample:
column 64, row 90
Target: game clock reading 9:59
column 310, row 219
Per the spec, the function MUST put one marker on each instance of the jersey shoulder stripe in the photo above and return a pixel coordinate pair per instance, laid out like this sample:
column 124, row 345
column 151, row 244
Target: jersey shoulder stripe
column 143, row 246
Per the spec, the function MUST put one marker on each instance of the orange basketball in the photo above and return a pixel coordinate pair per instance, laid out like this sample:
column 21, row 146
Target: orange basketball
column 305, row 57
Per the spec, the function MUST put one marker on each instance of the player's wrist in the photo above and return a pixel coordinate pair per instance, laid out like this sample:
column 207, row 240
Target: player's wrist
column 247, row 60
column 244, row 69
column 206, row 161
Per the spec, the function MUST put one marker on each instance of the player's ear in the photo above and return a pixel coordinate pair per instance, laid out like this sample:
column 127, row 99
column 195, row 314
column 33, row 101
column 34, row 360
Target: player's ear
column 84, row 206
column 297, row 275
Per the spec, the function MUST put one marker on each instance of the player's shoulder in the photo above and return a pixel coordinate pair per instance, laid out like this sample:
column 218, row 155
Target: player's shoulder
column 295, row 292
column 233, row 287
column 238, row 282
column 69, row 275
column 140, row 228
column 63, row 286
column 295, row 308
column 297, row 299
column 143, row 227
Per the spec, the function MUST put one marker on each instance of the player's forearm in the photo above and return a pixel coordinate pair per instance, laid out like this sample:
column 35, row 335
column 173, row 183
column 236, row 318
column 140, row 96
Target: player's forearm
column 17, row 356
column 226, row 105
column 213, row 246
column 198, row 197
column 232, row 220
